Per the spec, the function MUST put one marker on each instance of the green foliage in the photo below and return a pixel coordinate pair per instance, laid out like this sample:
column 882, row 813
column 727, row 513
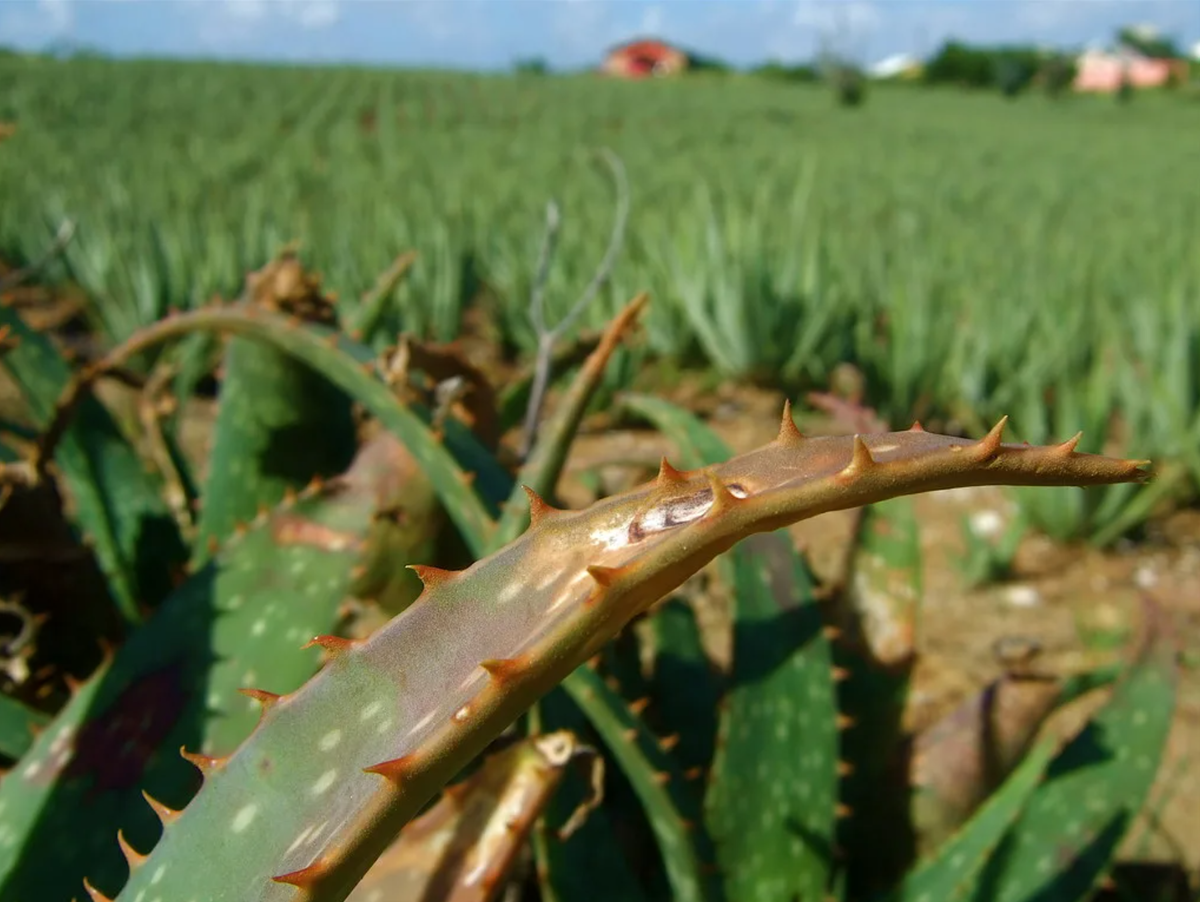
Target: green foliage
column 773, row 266
column 119, row 502
column 1008, row 68
column 787, row 290
column 778, row 71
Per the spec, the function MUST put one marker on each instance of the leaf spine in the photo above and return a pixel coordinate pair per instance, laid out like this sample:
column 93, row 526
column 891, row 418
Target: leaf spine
column 789, row 433
column 916, row 427
column 304, row 878
column 723, row 499
column 503, row 670
column 1067, row 448
column 989, row 445
column 668, row 475
column 604, row 576
column 539, row 510
column 394, row 770
column 206, row 764
column 132, row 856
column 334, row 645
column 432, row 577
column 860, row 460
column 165, row 815
column 262, row 696
column 95, row 894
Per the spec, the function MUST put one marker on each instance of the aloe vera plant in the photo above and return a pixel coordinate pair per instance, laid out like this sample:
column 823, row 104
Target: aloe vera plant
column 339, row 763
column 389, row 722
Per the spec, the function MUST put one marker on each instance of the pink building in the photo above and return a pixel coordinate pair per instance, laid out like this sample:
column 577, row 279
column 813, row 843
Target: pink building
column 1102, row 72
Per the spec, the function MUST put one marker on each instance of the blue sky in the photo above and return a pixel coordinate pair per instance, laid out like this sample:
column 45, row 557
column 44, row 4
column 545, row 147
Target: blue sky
column 568, row 33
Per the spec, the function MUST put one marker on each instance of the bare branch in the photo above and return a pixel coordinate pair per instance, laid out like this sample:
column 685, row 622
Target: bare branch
column 545, row 255
column 548, row 337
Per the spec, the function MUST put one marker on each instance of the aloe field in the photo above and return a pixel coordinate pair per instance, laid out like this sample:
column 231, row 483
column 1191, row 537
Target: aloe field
column 270, row 335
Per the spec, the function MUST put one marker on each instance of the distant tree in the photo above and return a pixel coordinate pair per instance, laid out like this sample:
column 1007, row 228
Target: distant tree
column 1125, row 90
column 782, row 72
column 699, row 62
column 957, row 63
column 1057, row 74
column 1148, row 42
column 1012, row 75
column 535, row 65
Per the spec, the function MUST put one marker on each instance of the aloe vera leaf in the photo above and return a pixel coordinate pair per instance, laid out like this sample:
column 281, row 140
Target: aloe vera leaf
column 772, row 802
column 948, row 875
column 774, row 835
column 18, row 722
column 876, row 615
column 279, row 425
column 1065, row 838
column 465, row 846
column 959, row 760
column 335, row 769
column 238, row 621
column 688, row 685
column 119, row 505
column 655, row 778
column 350, row 366
column 589, row 864
column 373, row 304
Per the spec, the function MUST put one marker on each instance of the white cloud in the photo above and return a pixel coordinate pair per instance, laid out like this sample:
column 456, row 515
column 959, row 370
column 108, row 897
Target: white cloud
column 653, row 20
column 58, row 14
column 837, row 15
column 316, row 14
column 35, row 24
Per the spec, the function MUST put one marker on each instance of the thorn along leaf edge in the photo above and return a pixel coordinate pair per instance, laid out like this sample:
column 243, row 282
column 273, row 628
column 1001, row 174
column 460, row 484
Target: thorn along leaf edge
column 355, row 753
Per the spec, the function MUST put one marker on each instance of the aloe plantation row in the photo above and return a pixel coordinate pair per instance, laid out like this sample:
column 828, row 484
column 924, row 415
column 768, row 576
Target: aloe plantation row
column 970, row 256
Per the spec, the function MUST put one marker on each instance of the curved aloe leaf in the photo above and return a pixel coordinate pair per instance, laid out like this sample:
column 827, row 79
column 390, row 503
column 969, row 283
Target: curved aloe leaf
column 119, row 502
column 1065, row 838
column 238, row 621
column 336, row 768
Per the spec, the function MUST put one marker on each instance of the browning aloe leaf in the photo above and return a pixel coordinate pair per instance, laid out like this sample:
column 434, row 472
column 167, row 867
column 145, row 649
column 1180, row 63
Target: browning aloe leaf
column 336, row 768
column 119, row 502
column 279, row 424
column 464, row 848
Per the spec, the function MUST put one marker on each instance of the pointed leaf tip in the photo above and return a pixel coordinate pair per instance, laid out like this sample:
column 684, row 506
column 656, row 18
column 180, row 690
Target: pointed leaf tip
column 789, row 434
column 538, row 508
